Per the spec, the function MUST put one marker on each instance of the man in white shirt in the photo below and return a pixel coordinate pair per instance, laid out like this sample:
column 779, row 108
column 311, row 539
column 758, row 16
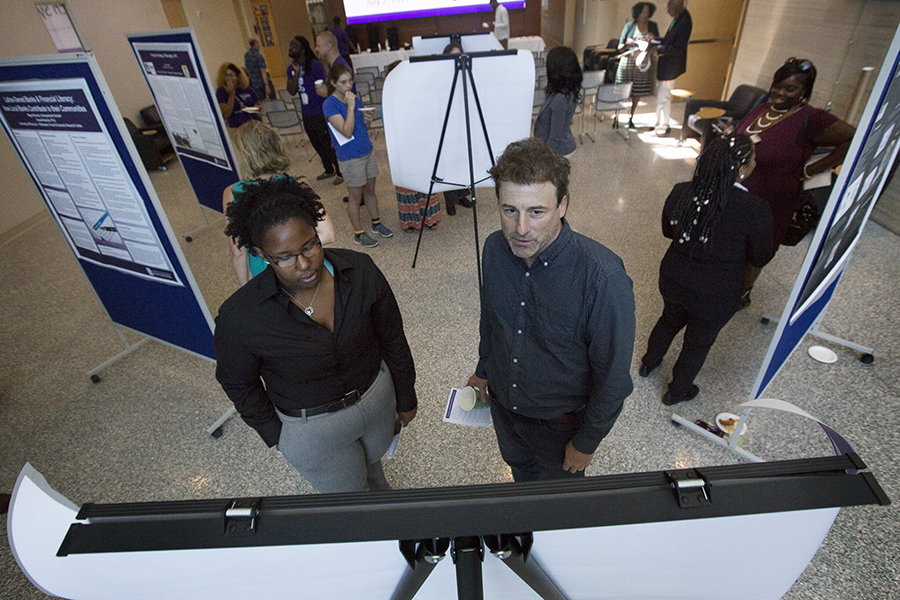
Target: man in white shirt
column 501, row 22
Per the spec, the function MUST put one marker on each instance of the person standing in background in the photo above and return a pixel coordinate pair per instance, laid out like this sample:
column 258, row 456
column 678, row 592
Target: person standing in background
column 501, row 23
column 256, row 67
column 640, row 29
column 345, row 44
column 672, row 61
column 302, row 74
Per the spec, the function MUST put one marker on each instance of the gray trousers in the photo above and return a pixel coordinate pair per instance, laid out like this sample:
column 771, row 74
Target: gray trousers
column 341, row 451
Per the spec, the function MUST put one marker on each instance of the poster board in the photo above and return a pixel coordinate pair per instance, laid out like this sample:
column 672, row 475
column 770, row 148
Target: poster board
column 414, row 105
column 862, row 178
column 60, row 118
column 622, row 537
column 185, row 98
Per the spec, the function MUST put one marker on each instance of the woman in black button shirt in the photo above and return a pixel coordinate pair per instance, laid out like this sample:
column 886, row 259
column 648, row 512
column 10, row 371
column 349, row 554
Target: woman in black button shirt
column 312, row 350
column 717, row 228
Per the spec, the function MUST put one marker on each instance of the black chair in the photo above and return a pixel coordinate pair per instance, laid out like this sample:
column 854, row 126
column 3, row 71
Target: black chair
column 152, row 145
column 742, row 101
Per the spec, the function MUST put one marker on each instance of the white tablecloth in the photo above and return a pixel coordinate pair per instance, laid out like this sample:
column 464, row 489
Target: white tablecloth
column 533, row 43
column 379, row 59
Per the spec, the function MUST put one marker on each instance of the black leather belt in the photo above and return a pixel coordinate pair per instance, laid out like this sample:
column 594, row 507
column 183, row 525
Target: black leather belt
column 349, row 399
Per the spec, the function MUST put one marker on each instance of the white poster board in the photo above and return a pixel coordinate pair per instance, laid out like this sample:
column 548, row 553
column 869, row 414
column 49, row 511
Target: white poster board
column 414, row 104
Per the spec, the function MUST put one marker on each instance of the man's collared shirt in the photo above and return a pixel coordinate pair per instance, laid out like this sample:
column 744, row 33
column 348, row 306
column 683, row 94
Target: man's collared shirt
column 263, row 337
column 558, row 337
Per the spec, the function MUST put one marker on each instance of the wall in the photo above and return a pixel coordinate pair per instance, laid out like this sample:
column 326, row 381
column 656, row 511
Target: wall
column 220, row 33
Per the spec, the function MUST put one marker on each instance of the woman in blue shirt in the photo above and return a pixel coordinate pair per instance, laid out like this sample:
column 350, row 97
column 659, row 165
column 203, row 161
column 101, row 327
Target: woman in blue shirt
column 354, row 151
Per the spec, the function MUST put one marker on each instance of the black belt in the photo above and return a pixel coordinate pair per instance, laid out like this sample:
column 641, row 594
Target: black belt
column 349, row 399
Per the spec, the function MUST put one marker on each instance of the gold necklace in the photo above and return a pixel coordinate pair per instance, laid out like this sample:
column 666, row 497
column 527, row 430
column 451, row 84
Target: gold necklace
column 309, row 310
column 767, row 119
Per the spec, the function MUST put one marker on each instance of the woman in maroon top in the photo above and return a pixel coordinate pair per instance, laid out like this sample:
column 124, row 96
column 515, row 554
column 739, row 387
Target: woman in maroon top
column 787, row 131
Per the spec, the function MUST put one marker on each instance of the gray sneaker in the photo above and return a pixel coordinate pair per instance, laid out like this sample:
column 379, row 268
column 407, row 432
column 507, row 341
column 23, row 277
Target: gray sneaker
column 364, row 240
column 383, row 231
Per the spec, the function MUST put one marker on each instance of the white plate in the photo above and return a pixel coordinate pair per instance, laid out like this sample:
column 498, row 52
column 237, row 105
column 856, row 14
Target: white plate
column 367, row 109
column 724, row 417
column 822, row 354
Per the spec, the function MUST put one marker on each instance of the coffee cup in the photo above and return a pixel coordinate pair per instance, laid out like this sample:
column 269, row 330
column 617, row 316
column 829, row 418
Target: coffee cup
column 470, row 398
column 319, row 82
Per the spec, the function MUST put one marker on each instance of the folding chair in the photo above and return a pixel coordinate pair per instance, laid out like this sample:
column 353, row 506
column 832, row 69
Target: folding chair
column 362, row 89
column 267, row 106
column 540, row 95
column 374, row 71
column 589, row 83
column 365, row 77
column 613, row 97
column 287, row 122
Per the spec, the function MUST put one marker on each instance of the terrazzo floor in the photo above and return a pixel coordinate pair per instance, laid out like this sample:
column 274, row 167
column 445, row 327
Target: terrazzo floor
column 140, row 433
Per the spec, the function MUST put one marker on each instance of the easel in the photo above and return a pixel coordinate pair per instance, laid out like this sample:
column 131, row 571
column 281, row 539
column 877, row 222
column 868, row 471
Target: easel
column 462, row 64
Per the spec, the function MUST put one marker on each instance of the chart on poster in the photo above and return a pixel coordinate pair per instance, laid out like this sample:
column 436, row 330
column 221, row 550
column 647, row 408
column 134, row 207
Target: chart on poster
column 64, row 143
column 177, row 87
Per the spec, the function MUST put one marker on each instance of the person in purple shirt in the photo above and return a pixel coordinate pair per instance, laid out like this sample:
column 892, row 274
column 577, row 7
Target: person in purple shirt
column 302, row 74
column 345, row 44
column 235, row 95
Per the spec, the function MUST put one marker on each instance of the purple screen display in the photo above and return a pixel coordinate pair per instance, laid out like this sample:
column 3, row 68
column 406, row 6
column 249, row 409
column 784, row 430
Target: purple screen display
column 443, row 7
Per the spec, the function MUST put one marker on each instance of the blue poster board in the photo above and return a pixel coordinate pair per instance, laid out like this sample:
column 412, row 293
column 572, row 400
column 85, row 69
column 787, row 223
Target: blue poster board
column 863, row 176
column 59, row 115
column 174, row 70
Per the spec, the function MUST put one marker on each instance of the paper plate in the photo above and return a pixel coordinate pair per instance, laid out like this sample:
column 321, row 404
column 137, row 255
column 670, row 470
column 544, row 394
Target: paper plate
column 822, row 354
column 729, row 429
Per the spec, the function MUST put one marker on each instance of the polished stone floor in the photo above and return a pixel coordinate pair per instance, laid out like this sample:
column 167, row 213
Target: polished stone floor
column 140, row 433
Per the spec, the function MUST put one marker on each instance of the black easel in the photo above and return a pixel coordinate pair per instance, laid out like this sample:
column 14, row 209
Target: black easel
column 463, row 64
column 468, row 554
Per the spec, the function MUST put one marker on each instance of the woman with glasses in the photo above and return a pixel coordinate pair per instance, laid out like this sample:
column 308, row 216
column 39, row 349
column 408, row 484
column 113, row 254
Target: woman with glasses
column 312, row 351
column 237, row 100
column 788, row 132
column 262, row 154
column 717, row 228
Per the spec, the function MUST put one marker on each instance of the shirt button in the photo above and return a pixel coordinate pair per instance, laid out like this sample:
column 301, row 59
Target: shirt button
column 523, row 304
column 515, row 408
column 514, row 385
column 527, row 274
column 545, row 264
column 515, row 360
column 519, row 332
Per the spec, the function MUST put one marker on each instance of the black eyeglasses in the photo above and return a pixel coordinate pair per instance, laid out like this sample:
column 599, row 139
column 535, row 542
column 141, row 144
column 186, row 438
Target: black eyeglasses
column 802, row 63
column 286, row 262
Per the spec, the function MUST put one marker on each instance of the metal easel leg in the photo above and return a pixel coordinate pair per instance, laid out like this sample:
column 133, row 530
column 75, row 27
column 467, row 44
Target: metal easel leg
column 129, row 348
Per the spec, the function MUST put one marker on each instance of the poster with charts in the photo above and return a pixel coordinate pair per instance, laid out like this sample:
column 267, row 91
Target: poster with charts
column 178, row 89
column 56, row 129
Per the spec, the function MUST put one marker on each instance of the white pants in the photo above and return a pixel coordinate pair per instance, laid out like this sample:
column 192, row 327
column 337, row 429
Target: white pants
column 663, row 103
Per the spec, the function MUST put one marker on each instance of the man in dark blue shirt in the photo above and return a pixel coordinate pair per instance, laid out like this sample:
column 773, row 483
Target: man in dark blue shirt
column 345, row 44
column 557, row 323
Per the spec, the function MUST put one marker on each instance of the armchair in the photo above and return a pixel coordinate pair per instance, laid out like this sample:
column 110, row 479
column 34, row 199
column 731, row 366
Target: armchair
column 743, row 100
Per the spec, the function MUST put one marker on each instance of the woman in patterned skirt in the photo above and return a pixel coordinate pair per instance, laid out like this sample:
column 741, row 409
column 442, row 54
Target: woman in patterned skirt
column 641, row 29
column 410, row 204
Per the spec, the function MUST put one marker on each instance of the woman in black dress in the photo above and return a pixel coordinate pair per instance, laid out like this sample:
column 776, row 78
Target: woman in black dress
column 717, row 228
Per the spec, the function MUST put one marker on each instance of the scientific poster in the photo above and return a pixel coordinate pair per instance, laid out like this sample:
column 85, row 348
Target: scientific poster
column 178, row 89
column 64, row 143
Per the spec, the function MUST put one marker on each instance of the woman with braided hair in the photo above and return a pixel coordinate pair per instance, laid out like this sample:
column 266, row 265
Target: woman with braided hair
column 717, row 228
